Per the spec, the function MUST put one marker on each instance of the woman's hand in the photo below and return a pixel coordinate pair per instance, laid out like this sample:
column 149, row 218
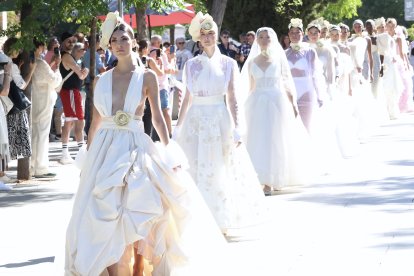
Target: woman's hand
column 295, row 110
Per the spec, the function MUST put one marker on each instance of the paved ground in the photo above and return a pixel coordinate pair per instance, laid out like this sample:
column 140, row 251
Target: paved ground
column 357, row 220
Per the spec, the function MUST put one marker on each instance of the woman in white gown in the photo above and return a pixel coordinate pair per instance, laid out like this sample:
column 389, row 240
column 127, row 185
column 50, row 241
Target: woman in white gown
column 392, row 80
column 307, row 74
column 207, row 132
column 272, row 137
column 130, row 202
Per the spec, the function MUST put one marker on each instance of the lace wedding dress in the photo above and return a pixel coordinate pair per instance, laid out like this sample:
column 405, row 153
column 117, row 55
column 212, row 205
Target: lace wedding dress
column 223, row 173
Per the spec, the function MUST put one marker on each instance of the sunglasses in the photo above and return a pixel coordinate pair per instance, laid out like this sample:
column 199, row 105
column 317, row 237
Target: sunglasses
column 225, row 36
column 180, row 43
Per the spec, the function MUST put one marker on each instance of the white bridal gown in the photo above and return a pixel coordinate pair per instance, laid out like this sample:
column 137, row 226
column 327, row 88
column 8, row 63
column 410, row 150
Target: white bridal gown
column 273, row 137
column 223, row 173
column 128, row 193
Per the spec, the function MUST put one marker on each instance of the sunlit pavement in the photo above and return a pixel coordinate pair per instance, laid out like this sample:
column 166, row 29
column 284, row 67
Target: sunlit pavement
column 356, row 220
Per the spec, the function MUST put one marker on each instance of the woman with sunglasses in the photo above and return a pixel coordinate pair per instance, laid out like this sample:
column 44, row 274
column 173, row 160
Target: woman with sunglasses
column 226, row 46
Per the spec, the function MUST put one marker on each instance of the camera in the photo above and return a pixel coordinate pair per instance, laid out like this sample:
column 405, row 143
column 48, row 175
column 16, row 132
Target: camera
column 172, row 49
column 32, row 56
column 144, row 61
column 56, row 51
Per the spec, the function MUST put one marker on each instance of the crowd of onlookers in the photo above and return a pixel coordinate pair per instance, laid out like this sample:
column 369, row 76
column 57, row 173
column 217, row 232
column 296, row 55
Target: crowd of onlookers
column 60, row 90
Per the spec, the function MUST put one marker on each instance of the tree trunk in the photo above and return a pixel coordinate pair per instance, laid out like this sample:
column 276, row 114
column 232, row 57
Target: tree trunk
column 172, row 34
column 23, row 164
column 217, row 12
column 141, row 23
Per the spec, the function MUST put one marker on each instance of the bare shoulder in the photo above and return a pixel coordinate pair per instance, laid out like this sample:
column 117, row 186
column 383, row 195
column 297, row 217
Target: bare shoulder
column 149, row 77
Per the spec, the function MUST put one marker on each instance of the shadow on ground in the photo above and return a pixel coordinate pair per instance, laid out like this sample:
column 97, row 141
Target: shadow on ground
column 387, row 192
column 30, row 262
column 16, row 198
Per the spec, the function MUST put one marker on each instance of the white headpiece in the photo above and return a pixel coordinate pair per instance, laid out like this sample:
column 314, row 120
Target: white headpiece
column 112, row 20
column 201, row 21
column 296, row 23
column 319, row 23
column 379, row 22
column 277, row 55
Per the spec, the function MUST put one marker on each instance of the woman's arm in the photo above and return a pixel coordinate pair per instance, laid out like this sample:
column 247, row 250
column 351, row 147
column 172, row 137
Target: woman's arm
column 6, row 80
column 231, row 95
column 151, row 91
column 187, row 98
column 370, row 60
column 96, row 121
column 184, row 108
column 154, row 67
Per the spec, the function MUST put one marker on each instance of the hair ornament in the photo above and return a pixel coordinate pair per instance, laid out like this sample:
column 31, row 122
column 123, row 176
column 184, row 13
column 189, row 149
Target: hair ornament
column 201, row 21
column 296, row 23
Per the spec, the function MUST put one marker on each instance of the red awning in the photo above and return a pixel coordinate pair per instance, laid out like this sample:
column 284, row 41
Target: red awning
column 178, row 17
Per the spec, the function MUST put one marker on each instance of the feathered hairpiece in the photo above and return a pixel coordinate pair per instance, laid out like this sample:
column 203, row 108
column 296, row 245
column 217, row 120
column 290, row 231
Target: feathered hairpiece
column 380, row 22
column 296, row 23
column 319, row 23
column 201, row 21
column 112, row 20
column 342, row 25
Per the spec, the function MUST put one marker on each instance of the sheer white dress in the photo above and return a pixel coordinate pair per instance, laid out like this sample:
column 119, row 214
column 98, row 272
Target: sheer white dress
column 274, row 137
column 223, row 173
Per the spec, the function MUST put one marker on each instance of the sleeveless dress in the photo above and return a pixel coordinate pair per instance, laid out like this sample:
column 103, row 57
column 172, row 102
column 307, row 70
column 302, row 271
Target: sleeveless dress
column 127, row 193
column 272, row 130
column 310, row 85
column 223, row 173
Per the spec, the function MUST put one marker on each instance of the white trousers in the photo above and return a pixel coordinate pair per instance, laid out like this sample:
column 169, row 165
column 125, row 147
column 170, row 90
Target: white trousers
column 42, row 111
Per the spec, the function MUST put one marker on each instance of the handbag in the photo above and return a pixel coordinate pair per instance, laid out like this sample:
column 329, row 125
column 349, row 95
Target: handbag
column 19, row 99
column 63, row 81
column 7, row 104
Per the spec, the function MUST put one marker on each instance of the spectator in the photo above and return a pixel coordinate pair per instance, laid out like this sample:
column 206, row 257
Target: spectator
column 200, row 49
column 246, row 46
column 71, row 96
column 150, row 63
column 182, row 56
column 226, row 46
column 44, row 82
column 18, row 123
column 284, row 41
column 51, row 54
column 5, row 80
column 161, row 58
column 99, row 69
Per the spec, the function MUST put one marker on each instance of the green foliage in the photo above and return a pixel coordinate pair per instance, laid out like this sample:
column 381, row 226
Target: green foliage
column 40, row 17
column 372, row 9
column 341, row 9
column 411, row 33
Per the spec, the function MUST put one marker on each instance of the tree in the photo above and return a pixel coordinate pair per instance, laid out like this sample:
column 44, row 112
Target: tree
column 37, row 17
column 371, row 9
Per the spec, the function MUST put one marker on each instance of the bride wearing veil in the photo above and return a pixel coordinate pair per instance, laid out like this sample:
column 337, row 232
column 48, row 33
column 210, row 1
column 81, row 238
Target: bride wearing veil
column 273, row 123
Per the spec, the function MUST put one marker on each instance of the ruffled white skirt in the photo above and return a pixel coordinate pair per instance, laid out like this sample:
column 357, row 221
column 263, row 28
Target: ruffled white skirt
column 128, row 194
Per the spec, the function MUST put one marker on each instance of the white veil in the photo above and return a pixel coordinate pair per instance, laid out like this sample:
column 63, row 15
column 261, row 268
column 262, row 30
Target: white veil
column 276, row 52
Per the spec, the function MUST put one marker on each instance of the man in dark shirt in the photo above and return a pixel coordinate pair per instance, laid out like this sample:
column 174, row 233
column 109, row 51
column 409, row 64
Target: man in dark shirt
column 70, row 96
column 226, row 46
